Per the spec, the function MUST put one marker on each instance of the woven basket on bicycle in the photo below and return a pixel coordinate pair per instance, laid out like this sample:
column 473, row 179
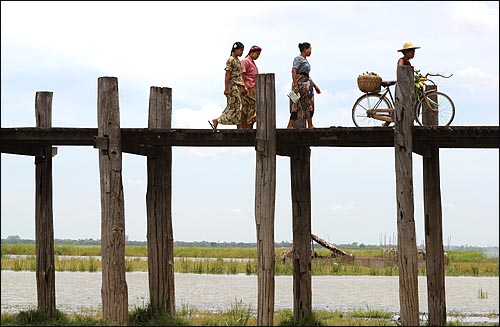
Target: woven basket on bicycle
column 369, row 83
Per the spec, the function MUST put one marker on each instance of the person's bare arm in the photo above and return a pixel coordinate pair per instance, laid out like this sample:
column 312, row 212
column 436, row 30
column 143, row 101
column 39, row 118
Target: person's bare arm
column 295, row 85
column 316, row 87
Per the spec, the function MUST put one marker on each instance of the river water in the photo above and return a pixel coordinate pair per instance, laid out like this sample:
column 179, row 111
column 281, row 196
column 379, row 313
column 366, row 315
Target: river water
column 81, row 291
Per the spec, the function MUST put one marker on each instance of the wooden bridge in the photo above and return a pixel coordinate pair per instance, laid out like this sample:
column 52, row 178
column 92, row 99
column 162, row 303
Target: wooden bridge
column 28, row 140
column 156, row 141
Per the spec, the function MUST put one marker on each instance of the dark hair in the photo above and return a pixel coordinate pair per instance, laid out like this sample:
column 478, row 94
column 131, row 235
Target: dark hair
column 254, row 48
column 304, row 46
column 237, row 45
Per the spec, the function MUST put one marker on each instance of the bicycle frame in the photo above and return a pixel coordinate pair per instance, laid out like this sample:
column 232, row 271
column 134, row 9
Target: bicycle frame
column 386, row 114
column 373, row 107
column 382, row 114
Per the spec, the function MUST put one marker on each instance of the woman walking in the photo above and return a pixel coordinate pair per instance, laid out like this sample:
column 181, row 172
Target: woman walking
column 234, row 88
column 304, row 85
column 249, row 70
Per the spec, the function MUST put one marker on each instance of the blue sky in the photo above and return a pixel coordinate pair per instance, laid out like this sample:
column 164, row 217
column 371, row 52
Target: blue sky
column 64, row 47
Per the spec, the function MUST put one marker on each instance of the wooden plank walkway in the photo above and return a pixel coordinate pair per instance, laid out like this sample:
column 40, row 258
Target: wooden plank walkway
column 15, row 139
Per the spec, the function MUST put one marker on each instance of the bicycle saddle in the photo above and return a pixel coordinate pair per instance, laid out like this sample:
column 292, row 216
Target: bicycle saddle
column 387, row 83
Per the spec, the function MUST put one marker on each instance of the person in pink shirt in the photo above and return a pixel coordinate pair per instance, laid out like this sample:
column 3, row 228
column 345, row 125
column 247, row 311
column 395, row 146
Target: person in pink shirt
column 249, row 70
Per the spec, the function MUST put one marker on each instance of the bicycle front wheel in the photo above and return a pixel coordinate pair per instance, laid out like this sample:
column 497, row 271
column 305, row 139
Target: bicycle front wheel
column 438, row 103
column 368, row 108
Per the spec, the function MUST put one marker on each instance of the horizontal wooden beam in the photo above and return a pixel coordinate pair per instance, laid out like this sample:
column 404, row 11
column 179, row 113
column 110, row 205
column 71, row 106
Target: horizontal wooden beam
column 144, row 140
column 26, row 149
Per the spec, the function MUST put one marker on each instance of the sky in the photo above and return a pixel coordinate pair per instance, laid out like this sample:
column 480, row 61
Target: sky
column 64, row 47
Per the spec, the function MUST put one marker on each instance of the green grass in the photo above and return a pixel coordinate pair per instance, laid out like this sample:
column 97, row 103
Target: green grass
column 135, row 251
column 38, row 318
column 460, row 263
column 236, row 314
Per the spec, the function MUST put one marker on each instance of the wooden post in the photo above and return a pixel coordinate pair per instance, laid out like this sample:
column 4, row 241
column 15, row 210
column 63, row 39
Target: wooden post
column 114, row 291
column 265, row 194
column 407, row 245
column 301, row 121
column 159, row 209
column 44, row 223
column 434, row 258
column 301, row 212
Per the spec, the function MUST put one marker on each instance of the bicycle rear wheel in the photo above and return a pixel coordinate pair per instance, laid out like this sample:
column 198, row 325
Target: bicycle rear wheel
column 363, row 110
column 438, row 102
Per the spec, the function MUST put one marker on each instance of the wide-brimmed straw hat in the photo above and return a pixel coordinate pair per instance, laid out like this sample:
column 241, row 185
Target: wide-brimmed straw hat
column 407, row 46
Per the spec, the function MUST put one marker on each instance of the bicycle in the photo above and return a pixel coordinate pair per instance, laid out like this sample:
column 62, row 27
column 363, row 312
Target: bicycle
column 373, row 107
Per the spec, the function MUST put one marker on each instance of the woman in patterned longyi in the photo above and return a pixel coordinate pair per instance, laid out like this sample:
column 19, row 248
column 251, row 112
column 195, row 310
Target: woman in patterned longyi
column 234, row 88
column 302, row 83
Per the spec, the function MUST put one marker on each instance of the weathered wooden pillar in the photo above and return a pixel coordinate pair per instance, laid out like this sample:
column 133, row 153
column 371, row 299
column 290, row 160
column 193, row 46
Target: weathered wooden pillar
column 44, row 223
column 114, row 291
column 301, row 212
column 434, row 257
column 301, row 121
column 407, row 245
column 159, row 209
column 265, row 194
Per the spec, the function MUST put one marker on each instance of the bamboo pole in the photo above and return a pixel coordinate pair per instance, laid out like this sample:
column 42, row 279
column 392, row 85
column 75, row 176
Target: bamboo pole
column 114, row 291
column 407, row 246
column 44, row 221
column 265, row 194
column 159, row 209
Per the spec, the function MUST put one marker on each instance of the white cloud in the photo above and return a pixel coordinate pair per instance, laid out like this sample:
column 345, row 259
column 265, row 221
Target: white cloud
column 192, row 118
column 473, row 79
column 475, row 16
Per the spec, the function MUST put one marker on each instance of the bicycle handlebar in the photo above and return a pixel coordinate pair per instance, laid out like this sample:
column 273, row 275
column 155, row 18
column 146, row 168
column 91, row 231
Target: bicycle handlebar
column 417, row 71
column 440, row 75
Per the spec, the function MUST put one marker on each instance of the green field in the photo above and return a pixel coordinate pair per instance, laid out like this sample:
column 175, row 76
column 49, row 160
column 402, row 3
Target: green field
column 212, row 260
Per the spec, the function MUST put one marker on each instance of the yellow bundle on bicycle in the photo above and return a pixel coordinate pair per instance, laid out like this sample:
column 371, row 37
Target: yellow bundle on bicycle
column 369, row 82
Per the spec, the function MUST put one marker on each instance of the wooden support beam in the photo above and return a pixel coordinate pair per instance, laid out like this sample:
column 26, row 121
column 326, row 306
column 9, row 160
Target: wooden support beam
column 433, row 220
column 160, row 237
column 36, row 150
column 114, row 290
column 407, row 246
column 287, row 150
column 300, row 170
column 44, row 220
column 265, row 196
column 300, row 122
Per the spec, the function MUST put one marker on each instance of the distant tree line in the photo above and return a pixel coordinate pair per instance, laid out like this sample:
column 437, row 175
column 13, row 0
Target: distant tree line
column 15, row 239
